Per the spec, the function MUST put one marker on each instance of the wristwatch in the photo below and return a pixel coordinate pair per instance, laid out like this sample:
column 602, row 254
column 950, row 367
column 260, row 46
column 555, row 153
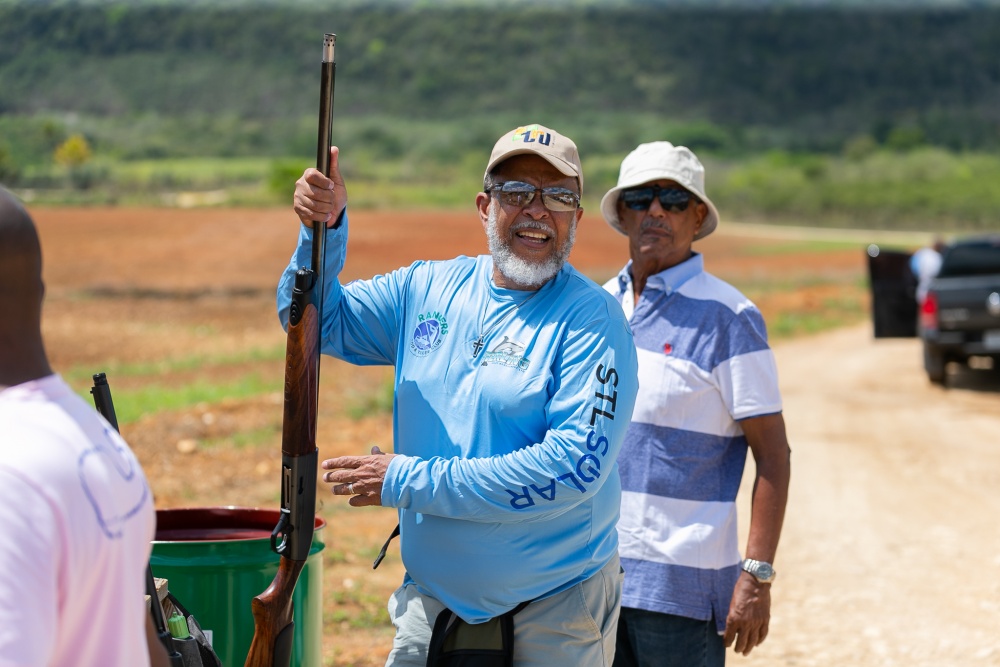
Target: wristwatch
column 763, row 572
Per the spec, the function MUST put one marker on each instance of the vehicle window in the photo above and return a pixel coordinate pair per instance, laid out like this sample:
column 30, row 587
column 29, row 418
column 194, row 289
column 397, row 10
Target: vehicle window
column 971, row 259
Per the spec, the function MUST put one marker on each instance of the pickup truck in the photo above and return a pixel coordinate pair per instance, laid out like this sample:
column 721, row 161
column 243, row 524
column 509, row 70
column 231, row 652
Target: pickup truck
column 960, row 317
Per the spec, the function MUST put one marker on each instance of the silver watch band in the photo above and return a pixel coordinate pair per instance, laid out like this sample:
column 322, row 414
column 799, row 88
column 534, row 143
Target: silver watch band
column 762, row 571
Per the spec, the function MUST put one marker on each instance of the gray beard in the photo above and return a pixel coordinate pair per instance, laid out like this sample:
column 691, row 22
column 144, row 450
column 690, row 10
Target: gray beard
column 518, row 270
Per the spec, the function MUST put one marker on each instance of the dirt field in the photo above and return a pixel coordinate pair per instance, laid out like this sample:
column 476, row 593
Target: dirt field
column 890, row 551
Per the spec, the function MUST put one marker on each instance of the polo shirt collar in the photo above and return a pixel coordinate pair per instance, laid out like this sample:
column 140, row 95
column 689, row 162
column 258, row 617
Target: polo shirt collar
column 668, row 280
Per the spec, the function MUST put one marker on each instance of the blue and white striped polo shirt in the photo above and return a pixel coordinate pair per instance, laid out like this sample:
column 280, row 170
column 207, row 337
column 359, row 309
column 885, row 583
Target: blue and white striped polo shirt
column 704, row 364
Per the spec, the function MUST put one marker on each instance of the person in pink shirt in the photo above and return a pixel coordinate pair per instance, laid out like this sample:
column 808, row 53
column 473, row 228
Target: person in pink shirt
column 77, row 513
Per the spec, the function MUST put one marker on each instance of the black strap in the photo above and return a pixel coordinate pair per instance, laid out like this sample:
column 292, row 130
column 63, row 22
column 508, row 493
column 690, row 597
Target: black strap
column 454, row 644
column 520, row 607
column 385, row 547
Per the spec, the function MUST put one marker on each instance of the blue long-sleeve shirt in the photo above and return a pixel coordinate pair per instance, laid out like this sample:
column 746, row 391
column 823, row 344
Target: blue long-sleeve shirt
column 507, row 487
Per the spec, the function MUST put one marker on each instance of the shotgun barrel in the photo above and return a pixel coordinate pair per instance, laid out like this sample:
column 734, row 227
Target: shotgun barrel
column 292, row 537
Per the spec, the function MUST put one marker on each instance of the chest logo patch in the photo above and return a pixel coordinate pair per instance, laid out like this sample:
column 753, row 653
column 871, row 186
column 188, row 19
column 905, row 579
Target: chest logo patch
column 507, row 353
column 429, row 334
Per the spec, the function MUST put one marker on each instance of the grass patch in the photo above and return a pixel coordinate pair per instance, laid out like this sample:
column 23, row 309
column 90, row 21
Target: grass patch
column 927, row 188
column 357, row 608
column 245, row 439
column 131, row 404
column 789, row 325
column 797, row 305
column 189, row 173
column 374, row 403
column 834, row 313
column 797, row 247
column 194, row 362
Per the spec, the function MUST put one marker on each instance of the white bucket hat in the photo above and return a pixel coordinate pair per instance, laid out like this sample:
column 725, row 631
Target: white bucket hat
column 655, row 161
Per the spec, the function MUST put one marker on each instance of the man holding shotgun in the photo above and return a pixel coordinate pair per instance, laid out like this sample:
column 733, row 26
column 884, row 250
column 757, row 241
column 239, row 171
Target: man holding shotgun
column 76, row 511
column 515, row 380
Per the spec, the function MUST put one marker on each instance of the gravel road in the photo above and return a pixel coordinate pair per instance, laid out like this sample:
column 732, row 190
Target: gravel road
column 891, row 549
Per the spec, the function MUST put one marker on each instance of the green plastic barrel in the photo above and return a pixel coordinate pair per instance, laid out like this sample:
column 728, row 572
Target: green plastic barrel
column 217, row 559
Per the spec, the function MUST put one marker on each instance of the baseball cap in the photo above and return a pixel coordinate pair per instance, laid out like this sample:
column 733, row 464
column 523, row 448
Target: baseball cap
column 554, row 148
column 655, row 161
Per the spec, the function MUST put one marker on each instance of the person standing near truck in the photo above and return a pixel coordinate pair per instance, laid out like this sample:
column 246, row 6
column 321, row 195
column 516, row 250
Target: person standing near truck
column 925, row 263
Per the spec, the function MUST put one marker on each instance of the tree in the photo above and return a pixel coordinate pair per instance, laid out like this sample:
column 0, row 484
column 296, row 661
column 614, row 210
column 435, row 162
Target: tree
column 74, row 152
column 8, row 170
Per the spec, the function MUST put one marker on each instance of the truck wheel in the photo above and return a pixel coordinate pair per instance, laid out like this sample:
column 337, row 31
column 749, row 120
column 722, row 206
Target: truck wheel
column 934, row 364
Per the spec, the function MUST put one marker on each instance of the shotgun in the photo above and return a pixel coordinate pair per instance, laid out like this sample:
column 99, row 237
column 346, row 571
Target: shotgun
column 101, row 392
column 272, row 609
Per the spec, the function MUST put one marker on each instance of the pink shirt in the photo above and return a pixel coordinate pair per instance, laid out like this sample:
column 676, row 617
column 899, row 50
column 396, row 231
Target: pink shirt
column 78, row 519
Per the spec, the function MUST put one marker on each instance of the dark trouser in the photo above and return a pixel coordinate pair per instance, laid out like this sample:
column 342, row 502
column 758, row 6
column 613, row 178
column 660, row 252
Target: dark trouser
column 652, row 639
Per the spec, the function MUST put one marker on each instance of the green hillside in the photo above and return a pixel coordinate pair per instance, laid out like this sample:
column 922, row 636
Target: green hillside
column 804, row 78
column 422, row 87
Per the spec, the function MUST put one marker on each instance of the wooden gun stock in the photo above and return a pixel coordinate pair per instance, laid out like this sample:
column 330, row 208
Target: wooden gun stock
column 292, row 537
column 272, row 617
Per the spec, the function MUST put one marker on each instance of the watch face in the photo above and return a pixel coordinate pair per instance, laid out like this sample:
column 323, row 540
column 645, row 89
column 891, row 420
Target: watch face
column 762, row 572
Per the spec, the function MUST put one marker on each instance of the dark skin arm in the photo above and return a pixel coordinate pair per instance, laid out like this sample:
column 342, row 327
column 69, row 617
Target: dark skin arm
column 750, row 609
column 318, row 197
column 360, row 477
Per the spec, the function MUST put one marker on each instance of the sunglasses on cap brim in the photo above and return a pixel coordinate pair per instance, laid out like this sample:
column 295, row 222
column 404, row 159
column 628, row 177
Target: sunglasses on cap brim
column 672, row 199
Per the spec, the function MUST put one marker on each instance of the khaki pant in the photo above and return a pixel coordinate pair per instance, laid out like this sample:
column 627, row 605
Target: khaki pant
column 576, row 627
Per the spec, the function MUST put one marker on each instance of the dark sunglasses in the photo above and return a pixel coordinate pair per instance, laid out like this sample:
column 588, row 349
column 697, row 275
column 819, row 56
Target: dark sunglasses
column 517, row 194
column 671, row 199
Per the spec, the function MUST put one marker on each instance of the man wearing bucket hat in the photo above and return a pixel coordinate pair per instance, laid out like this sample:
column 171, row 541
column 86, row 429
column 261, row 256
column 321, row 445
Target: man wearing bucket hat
column 709, row 391
column 74, row 503
column 515, row 377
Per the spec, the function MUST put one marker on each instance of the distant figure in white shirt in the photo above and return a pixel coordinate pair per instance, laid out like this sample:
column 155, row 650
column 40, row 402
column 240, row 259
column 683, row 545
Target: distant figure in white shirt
column 77, row 513
column 925, row 264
